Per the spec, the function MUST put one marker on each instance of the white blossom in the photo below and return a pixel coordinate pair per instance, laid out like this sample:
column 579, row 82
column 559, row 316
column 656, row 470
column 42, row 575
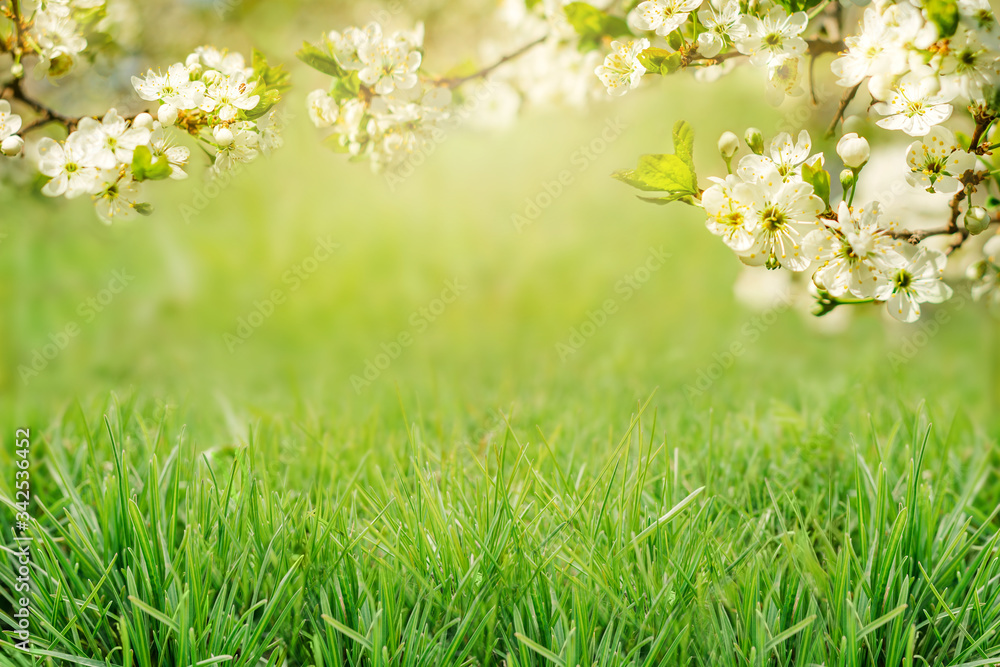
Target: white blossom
column 663, row 16
column 69, row 165
column 116, row 195
column 917, row 282
column 114, row 139
column 174, row 88
column 771, row 40
column 780, row 215
column 912, row 108
column 389, row 63
column 937, row 161
column 621, row 70
column 855, row 252
column 722, row 25
column 228, row 95
column 10, row 123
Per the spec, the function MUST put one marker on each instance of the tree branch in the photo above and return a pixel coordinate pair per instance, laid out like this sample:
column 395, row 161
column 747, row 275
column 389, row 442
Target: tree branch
column 841, row 108
column 455, row 82
column 45, row 113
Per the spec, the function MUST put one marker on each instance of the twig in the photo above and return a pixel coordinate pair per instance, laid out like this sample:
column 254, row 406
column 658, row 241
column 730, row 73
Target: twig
column 844, row 101
column 454, row 82
column 45, row 113
column 983, row 122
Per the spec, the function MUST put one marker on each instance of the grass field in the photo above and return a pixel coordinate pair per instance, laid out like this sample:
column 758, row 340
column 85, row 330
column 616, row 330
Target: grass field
column 312, row 418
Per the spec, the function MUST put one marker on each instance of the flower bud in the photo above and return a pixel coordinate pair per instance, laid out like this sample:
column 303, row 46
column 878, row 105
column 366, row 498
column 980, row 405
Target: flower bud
column 755, row 140
column 729, row 143
column 930, row 86
column 12, row 145
column 853, row 150
column 143, row 121
column 223, row 136
column 977, row 219
column 167, row 114
column 847, row 179
column 17, row 70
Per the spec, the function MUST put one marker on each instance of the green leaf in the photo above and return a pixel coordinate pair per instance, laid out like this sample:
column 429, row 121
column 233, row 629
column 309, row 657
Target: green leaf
column 677, row 196
column 819, row 178
column 673, row 174
column 593, row 24
column 274, row 78
column 319, row 60
column 147, row 167
column 944, row 14
column 675, row 40
column 142, row 208
column 660, row 61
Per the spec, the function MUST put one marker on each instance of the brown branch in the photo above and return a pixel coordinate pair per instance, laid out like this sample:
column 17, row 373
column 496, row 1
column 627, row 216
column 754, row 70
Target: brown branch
column 841, row 108
column 983, row 122
column 914, row 237
column 45, row 113
column 455, row 82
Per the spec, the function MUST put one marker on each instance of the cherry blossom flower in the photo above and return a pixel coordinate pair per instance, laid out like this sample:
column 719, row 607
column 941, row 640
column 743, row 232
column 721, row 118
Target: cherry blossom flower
column 913, row 108
column 780, row 215
column 10, row 122
column 69, row 164
column 917, row 282
column 774, row 38
column 114, row 138
column 388, row 64
column 664, row 16
column 937, row 161
column 722, row 26
column 855, row 252
column 622, row 71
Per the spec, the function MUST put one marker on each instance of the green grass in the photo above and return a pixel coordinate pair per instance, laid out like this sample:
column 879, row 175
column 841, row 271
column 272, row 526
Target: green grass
column 801, row 536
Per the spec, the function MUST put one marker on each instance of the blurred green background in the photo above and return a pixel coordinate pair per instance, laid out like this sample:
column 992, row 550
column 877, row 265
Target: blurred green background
column 209, row 255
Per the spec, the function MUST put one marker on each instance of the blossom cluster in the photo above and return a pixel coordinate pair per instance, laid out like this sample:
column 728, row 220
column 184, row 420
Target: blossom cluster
column 377, row 105
column 60, row 32
column 768, row 212
column 918, row 69
column 668, row 34
column 216, row 98
column 213, row 97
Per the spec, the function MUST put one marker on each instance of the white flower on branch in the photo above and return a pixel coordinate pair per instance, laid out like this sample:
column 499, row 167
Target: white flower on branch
column 621, row 70
column 771, row 40
column 855, row 251
column 10, row 122
column 115, row 140
column 174, row 88
column 388, row 63
column 937, row 161
column 920, row 281
column 722, row 26
column 70, row 165
column 117, row 195
column 914, row 106
column 663, row 16
column 780, row 215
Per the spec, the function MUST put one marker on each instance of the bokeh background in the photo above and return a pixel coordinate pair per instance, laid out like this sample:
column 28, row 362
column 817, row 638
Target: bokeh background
column 209, row 255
